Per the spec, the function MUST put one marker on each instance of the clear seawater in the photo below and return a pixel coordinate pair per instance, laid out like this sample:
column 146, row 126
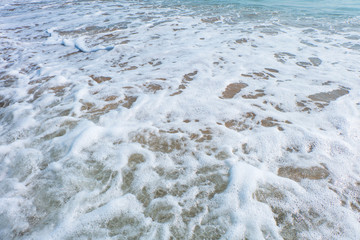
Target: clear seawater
column 302, row 7
column 179, row 119
column 290, row 8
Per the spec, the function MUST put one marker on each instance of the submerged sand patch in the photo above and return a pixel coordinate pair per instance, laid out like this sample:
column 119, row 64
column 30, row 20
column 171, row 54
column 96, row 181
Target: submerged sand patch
column 297, row 173
column 187, row 78
column 100, row 79
column 233, row 89
column 329, row 96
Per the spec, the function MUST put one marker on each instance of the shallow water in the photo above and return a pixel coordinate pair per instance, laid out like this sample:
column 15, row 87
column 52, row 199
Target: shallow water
column 179, row 120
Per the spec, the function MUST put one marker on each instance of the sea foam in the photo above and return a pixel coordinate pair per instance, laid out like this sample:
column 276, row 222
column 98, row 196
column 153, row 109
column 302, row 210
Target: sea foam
column 179, row 120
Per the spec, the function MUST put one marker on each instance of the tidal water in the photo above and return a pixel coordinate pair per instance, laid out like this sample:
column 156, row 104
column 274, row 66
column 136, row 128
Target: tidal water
column 179, row 119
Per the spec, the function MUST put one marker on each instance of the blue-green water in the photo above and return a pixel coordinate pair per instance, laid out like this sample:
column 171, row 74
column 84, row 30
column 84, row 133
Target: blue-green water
column 309, row 7
column 321, row 14
column 289, row 8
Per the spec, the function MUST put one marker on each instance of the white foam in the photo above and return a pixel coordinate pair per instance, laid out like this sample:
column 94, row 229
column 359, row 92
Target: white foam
column 115, row 123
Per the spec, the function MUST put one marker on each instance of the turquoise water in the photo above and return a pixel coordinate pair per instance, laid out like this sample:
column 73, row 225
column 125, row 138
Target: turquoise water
column 305, row 11
column 310, row 7
column 325, row 15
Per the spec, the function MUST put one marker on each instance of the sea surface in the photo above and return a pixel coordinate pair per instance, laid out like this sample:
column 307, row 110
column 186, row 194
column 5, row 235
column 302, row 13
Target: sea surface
column 180, row 119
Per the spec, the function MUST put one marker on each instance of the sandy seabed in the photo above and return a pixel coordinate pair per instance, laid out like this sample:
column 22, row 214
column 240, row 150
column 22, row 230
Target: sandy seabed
column 135, row 120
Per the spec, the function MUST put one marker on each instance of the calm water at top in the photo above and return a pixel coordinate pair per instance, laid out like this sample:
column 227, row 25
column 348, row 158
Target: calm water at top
column 294, row 8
